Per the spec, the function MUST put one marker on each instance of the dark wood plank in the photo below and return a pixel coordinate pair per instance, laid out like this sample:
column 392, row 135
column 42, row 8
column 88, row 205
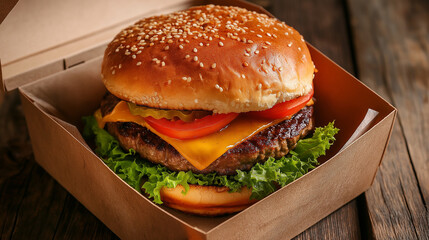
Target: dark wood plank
column 392, row 44
column 41, row 207
column 324, row 24
column 78, row 223
column 15, row 169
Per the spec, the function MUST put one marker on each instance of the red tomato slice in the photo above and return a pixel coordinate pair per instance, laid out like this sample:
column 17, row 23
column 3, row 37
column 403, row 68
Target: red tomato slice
column 282, row 110
column 188, row 130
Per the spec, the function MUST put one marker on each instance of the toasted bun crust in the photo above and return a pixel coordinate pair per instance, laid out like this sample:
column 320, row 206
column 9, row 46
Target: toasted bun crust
column 206, row 200
column 216, row 58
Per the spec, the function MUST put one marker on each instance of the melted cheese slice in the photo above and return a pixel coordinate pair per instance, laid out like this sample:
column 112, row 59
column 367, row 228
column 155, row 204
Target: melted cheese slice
column 200, row 152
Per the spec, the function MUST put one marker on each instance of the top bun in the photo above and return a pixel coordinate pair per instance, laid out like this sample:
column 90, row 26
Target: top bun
column 215, row 58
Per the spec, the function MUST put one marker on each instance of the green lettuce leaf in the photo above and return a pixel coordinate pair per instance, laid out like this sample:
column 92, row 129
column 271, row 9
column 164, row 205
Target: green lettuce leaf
column 263, row 178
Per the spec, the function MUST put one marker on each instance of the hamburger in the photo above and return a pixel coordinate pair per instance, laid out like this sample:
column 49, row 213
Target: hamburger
column 203, row 105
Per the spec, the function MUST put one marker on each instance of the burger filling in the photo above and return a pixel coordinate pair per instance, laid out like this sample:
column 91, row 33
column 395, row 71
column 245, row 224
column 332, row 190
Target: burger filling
column 274, row 141
column 146, row 161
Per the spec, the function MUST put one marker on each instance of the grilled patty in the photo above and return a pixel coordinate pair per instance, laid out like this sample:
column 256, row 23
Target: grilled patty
column 275, row 141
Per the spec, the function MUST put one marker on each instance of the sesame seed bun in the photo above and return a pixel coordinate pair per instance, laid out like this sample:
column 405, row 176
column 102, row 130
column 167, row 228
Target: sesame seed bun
column 216, row 58
column 207, row 200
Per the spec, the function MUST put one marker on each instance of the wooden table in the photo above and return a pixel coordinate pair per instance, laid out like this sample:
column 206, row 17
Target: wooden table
column 384, row 43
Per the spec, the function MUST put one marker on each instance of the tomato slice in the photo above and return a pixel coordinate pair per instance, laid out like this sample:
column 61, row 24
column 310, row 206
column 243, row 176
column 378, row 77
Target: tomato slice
column 284, row 109
column 188, row 130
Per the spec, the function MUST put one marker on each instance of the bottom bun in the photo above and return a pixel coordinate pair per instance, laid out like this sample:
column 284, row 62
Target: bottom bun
column 207, row 200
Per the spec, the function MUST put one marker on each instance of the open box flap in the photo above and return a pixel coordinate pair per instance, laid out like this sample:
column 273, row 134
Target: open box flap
column 39, row 38
column 71, row 32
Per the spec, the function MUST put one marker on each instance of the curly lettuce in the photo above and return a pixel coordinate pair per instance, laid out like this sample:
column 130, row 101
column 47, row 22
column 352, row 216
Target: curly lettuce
column 263, row 178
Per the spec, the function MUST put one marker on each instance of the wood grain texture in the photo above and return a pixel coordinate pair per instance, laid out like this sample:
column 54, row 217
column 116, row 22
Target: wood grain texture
column 324, row 24
column 392, row 45
column 77, row 222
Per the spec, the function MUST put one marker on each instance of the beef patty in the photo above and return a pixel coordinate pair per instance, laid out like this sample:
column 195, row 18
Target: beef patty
column 275, row 141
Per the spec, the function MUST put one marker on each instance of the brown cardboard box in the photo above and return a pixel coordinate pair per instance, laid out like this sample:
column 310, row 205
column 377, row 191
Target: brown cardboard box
column 54, row 105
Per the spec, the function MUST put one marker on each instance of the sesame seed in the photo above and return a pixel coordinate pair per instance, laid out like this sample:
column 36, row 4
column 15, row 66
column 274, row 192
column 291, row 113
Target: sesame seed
column 221, row 44
column 151, row 44
column 158, row 61
column 195, row 50
column 290, row 44
column 256, row 51
column 269, row 34
column 201, row 44
column 184, row 78
column 134, row 56
column 154, row 59
column 259, row 86
column 187, row 56
column 259, row 35
column 170, row 41
column 286, row 33
column 139, row 63
column 162, row 63
column 220, row 89
column 214, row 65
column 280, row 69
column 120, row 66
column 166, row 48
column 181, row 46
column 196, row 100
column 246, row 54
column 127, row 52
column 268, row 43
column 113, row 72
column 222, row 38
column 249, row 41
column 169, row 82
column 264, row 47
column 299, row 49
column 195, row 59
column 245, row 64
column 243, row 76
column 201, row 64
column 217, row 86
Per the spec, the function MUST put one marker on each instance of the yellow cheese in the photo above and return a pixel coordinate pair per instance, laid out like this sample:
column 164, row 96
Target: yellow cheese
column 200, row 152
